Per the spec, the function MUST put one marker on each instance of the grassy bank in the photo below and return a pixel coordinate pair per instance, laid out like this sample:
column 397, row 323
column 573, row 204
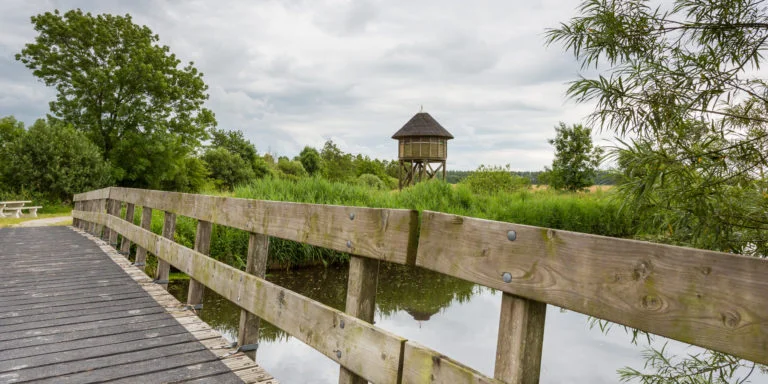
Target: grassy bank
column 594, row 212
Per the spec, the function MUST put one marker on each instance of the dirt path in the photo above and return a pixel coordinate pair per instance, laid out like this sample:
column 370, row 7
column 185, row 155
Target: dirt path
column 61, row 220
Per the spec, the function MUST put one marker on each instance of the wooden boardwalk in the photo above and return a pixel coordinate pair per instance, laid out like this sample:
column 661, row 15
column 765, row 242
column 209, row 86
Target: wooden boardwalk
column 74, row 311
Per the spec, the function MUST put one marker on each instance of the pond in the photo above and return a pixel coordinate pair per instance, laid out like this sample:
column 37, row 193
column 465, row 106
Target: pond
column 454, row 317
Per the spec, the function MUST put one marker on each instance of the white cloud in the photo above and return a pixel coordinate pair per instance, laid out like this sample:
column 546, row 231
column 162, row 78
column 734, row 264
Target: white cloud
column 294, row 73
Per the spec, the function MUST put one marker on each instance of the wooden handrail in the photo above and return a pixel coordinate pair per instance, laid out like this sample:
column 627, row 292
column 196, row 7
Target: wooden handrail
column 385, row 234
column 711, row 299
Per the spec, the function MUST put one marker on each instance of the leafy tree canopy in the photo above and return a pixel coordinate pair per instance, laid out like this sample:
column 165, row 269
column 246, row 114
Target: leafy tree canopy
column 576, row 160
column 10, row 130
column 680, row 86
column 53, row 160
column 227, row 169
column 310, row 160
column 235, row 142
column 126, row 92
column 336, row 165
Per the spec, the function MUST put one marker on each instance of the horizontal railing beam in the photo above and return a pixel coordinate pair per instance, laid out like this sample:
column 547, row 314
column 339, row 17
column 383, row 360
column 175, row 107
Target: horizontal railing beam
column 711, row 299
column 384, row 234
column 93, row 195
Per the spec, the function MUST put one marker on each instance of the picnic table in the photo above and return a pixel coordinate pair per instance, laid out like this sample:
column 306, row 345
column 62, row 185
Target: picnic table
column 14, row 208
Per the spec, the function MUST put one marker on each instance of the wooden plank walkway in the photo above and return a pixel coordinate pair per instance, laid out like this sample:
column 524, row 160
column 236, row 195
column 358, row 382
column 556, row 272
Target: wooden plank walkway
column 72, row 310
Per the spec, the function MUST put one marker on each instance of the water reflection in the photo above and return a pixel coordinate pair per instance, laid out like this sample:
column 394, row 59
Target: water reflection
column 454, row 317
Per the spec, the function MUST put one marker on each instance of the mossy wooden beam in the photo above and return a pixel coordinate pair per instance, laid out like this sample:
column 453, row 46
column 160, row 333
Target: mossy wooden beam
column 370, row 232
column 423, row 365
column 710, row 299
column 92, row 195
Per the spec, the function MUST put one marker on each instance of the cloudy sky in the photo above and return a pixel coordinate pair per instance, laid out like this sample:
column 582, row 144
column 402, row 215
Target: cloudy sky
column 294, row 73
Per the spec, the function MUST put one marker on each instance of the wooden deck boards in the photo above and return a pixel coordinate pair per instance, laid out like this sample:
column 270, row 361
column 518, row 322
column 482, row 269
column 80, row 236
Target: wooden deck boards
column 73, row 310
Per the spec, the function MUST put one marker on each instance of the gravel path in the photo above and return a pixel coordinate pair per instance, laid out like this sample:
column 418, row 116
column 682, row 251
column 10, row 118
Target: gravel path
column 45, row 222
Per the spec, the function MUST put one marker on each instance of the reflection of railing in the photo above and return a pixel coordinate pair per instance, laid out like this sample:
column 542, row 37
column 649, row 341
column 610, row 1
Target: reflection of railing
column 714, row 300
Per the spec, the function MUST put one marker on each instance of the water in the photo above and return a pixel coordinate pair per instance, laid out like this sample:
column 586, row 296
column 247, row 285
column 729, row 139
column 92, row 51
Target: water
column 454, row 317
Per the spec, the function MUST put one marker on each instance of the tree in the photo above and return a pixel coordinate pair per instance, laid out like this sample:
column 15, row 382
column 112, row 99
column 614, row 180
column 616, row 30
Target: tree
column 680, row 87
column 235, row 142
column 292, row 168
column 127, row 93
column 53, row 160
column 227, row 169
column 310, row 160
column 336, row 165
column 10, row 130
column 576, row 160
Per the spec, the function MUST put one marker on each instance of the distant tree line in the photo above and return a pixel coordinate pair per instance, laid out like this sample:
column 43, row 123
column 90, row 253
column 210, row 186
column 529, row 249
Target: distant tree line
column 602, row 176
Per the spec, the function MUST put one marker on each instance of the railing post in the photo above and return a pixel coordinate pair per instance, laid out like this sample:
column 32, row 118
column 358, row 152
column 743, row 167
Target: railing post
column 141, row 253
column 114, row 207
column 202, row 245
column 105, row 235
column 92, row 207
column 101, row 207
column 125, row 245
column 361, row 301
column 163, row 267
column 75, row 221
column 256, row 264
column 521, row 336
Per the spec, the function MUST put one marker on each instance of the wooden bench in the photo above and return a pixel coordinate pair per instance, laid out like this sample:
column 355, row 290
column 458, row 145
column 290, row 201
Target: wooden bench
column 14, row 208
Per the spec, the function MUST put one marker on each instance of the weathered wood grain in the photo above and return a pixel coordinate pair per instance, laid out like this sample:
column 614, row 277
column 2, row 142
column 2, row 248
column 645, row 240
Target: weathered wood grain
column 386, row 234
column 238, row 363
column 357, row 345
column 125, row 244
column 146, row 223
column 100, row 206
column 711, row 299
column 203, row 245
column 361, row 301
column 163, row 267
column 256, row 264
column 92, row 195
column 423, row 365
column 520, row 340
column 113, row 208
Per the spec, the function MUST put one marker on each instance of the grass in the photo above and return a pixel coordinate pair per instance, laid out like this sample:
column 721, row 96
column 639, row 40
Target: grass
column 12, row 221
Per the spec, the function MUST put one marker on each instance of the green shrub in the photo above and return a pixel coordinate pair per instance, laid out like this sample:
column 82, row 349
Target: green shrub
column 371, row 181
column 53, row 162
column 494, row 179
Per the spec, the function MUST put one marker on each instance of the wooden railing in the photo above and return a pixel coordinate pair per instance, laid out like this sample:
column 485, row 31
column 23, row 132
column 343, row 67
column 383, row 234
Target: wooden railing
column 710, row 299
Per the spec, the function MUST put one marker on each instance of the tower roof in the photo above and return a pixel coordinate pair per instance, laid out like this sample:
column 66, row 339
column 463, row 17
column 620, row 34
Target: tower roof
column 422, row 124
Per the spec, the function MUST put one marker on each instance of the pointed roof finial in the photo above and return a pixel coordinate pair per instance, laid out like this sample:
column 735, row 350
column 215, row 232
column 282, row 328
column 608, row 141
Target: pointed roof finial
column 421, row 109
